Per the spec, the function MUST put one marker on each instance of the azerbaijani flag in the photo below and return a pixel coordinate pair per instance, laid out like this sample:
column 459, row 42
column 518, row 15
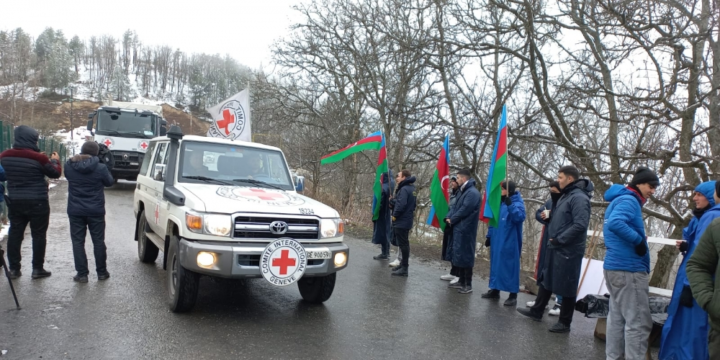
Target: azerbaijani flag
column 439, row 186
column 382, row 168
column 490, row 210
column 375, row 141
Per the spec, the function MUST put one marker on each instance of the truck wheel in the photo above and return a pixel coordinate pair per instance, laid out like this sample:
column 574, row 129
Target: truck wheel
column 182, row 283
column 147, row 251
column 317, row 289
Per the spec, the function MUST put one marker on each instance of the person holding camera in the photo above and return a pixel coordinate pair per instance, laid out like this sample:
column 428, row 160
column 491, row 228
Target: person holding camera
column 87, row 178
column 26, row 169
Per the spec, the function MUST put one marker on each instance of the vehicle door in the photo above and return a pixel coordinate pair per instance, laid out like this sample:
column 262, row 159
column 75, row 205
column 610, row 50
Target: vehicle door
column 157, row 206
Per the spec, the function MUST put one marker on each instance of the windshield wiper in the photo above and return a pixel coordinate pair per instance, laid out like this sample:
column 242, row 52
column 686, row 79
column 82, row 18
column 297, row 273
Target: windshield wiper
column 207, row 179
column 111, row 132
column 258, row 182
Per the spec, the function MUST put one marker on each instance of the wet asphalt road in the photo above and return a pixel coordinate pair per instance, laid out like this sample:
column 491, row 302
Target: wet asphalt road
column 370, row 315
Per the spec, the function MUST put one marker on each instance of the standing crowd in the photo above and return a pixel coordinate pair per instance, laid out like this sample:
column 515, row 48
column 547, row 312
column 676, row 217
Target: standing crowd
column 25, row 168
column 692, row 330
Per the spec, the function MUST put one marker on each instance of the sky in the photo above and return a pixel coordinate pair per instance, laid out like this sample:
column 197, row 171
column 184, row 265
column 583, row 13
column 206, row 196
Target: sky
column 244, row 29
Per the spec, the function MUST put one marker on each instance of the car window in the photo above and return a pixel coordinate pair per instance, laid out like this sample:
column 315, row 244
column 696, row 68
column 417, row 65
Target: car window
column 147, row 159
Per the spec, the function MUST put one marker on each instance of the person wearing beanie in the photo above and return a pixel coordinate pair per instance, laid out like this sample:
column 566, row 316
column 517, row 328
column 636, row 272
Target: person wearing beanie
column 566, row 238
column 505, row 243
column 686, row 328
column 87, row 179
column 543, row 215
column 627, row 267
column 463, row 217
column 26, row 169
column 703, row 273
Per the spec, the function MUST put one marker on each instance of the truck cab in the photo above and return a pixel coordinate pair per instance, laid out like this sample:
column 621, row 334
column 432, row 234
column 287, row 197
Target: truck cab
column 126, row 130
column 230, row 209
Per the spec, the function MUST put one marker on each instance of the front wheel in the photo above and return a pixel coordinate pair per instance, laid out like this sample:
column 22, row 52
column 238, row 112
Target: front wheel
column 317, row 289
column 182, row 283
column 147, row 251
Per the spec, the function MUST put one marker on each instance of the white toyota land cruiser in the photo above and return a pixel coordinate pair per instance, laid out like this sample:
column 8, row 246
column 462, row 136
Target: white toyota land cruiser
column 229, row 209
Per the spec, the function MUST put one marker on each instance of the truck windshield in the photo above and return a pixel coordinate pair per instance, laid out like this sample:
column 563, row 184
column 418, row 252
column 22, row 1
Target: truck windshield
column 202, row 162
column 126, row 124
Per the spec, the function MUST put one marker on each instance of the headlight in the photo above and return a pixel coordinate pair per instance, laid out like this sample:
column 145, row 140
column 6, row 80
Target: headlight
column 331, row 228
column 340, row 259
column 217, row 225
column 211, row 224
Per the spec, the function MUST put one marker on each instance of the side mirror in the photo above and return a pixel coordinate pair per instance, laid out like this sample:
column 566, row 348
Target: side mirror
column 300, row 184
column 163, row 128
column 159, row 172
column 91, row 115
column 90, row 125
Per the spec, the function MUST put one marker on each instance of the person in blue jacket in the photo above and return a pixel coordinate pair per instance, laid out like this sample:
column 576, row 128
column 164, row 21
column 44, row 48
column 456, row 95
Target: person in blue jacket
column 464, row 217
column 86, row 208
column 505, row 243
column 627, row 267
column 686, row 329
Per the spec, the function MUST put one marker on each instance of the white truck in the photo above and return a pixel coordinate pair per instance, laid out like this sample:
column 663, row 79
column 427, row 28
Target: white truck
column 229, row 209
column 126, row 128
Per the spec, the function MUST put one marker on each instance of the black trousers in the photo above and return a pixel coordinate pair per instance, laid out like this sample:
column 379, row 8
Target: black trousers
column 78, row 229
column 566, row 308
column 465, row 276
column 21, row 213
column 455, row 271
column 402, row 236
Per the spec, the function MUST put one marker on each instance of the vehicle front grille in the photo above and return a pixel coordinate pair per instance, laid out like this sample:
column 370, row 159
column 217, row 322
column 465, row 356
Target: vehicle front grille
column 259, row 227
column 254, row 260
column 126, row 159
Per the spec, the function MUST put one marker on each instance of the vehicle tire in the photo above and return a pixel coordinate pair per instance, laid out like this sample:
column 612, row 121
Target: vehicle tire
column 147, row 251
column 317, row 289
column 182, row 283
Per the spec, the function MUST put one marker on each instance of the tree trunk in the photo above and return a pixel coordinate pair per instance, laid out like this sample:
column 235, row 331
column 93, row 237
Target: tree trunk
column 665, row 259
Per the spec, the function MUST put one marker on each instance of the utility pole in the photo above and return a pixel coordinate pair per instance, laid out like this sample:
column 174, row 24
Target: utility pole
column 71, row 100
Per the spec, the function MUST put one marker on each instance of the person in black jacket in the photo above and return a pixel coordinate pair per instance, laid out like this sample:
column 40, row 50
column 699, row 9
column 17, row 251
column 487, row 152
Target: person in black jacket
column 464, row 218
column 381, row 226
column 87, row 178
column 403, row 205
column 26, row 169
column 567, row 233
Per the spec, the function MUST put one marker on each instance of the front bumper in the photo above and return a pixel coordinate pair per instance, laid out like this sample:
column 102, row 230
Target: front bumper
column 242, row 260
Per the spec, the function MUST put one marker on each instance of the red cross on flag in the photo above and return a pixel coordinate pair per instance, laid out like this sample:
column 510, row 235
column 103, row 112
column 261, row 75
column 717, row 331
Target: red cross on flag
column 231, row 118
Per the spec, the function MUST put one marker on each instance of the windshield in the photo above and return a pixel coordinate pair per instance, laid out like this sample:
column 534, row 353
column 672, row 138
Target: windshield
column 125, row 123
column 239, row 165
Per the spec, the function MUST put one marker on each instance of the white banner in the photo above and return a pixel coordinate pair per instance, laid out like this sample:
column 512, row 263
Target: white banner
column 231, row 118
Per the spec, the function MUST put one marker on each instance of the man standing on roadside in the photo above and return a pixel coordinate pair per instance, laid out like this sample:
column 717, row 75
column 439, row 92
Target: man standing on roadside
column 381, row 226
column 463, row 218
column 567, row 234
column 505, row 241
column 28, row 203
column 543, row 215
column 446, row 249
column 703, row 271
column 627, row 267
column 685, row 333
column 87, row 179
column 403, row 213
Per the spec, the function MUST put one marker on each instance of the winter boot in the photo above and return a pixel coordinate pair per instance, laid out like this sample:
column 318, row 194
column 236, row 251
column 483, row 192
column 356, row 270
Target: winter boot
column 491, row 294
column 511, row 300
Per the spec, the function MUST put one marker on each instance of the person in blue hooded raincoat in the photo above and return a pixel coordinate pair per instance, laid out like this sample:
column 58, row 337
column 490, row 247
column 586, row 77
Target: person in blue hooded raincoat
column 686, row 329
column 382, row 227
column 505, row 243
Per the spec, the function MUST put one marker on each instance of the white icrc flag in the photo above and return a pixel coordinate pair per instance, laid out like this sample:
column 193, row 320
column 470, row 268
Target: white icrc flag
column 231, row 118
